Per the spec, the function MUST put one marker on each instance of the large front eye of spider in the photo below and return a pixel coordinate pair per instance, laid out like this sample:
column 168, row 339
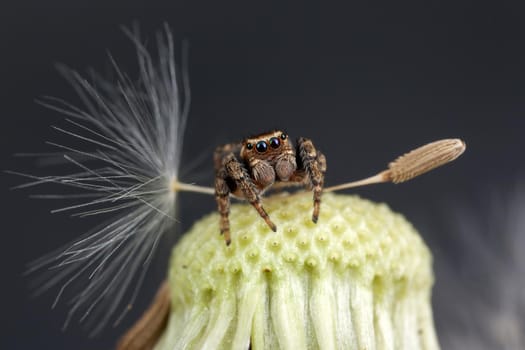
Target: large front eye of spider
column 274, row 142
column 261, row 146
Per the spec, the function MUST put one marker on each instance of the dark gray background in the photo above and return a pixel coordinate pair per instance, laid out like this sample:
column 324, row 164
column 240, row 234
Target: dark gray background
column 366, row 81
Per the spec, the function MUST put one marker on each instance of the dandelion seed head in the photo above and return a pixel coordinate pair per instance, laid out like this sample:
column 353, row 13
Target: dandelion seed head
column 272, row 290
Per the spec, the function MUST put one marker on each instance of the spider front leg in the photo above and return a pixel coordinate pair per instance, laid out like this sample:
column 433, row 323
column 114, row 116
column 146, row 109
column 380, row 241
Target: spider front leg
column 222, row 188
column 314, row 163
column 222, row 196
column 234, row 178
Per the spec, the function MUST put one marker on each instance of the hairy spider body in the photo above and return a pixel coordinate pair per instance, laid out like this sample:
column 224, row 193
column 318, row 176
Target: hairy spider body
column 247, row 169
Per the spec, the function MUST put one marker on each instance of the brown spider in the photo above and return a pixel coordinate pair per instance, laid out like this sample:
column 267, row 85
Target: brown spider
column 249, row 168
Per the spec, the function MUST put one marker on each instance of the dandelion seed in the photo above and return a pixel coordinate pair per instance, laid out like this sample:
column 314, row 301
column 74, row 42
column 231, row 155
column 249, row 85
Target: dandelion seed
column 128, row 166
column 412, row 164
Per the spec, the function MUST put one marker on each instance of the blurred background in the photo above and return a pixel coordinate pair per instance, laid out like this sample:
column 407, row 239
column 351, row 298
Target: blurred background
column 366, row 81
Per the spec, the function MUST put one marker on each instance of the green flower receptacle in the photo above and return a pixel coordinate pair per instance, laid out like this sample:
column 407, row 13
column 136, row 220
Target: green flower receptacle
column 359, row 279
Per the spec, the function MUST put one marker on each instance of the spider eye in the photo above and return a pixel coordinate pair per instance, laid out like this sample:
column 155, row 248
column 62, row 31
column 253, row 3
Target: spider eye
column 261, row 146
column 274, row 142
column 249, row 146
column 284, row 136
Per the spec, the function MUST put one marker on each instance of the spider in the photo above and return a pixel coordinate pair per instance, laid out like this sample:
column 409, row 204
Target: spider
column 249, row 168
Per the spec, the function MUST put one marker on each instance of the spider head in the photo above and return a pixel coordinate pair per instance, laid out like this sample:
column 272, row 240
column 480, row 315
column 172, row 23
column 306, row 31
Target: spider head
column 265, row 146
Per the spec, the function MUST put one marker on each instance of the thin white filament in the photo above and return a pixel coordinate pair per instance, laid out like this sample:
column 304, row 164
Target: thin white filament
column 126, row 145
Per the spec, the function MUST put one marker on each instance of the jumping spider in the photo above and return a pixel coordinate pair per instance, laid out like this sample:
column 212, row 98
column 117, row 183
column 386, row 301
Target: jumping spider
column 249, row 168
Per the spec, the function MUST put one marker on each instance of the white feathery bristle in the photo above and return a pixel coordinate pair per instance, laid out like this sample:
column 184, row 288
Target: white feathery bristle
column 132, row 133
column 481, row 293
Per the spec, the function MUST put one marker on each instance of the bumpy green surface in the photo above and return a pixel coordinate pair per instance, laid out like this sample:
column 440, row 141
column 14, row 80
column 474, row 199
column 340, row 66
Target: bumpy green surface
column 352, row 233
column 358, row 279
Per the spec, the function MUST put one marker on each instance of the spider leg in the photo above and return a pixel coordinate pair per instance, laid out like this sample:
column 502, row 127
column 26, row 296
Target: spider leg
column 222, row 196
column 238, row 173
column 233, row 178
column 314, row 163
column 222, row 187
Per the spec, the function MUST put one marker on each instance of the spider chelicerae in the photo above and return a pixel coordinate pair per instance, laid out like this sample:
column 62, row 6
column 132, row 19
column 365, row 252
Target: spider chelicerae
column 247, row 169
